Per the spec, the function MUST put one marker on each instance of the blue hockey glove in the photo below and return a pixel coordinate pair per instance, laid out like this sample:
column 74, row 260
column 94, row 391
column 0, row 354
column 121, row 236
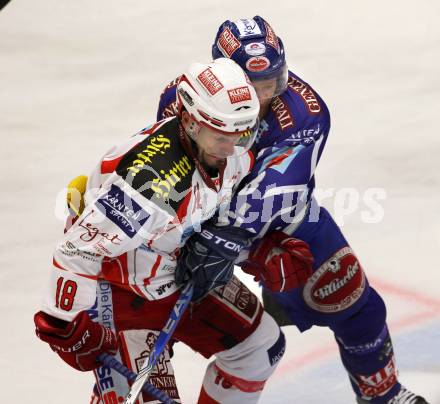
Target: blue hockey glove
column 208, row 257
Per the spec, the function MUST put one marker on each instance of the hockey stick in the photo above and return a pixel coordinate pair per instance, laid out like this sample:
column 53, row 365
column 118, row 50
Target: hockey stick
column 161, row 342
column 112, row 362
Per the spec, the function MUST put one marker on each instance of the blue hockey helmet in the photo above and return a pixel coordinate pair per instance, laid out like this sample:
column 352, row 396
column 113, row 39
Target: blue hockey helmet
column 253, row 44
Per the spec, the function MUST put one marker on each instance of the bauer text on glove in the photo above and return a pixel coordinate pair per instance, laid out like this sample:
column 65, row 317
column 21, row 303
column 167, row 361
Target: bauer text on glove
column 78, row 342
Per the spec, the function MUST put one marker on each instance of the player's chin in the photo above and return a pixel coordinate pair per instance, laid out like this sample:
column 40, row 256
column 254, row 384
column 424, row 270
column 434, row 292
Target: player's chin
column 264, row 102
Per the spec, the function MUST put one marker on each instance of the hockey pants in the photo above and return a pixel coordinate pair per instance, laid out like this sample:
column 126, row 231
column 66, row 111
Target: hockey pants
column 229, row 323
column 338, row 296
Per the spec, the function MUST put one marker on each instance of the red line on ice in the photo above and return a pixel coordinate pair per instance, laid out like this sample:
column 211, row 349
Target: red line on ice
column 314, row 357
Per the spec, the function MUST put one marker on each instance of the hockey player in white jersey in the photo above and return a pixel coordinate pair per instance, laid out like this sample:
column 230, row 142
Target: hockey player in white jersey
column 143, row 202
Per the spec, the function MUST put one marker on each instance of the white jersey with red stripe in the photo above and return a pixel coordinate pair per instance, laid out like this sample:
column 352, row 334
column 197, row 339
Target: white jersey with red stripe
column 143, row 200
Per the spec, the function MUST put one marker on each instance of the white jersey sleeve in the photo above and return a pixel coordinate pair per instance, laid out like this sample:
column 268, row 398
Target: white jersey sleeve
column 116, row 221
column 144, row 199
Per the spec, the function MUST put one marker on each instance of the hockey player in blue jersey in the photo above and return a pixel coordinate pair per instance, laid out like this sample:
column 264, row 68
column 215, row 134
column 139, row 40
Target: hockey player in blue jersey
column 278, row 195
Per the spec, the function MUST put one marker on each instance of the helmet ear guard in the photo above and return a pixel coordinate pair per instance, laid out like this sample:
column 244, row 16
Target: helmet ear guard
column 190, row 124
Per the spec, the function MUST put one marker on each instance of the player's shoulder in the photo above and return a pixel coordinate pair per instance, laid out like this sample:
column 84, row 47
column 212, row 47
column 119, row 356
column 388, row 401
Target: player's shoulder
column 299, row 113
column 300, row 106
column 157, row 166
column 167, row 101
column 301, row 96
column 171, row 86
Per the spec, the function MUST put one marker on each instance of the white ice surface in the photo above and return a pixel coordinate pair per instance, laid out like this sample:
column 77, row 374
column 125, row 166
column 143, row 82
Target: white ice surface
column 77, row 76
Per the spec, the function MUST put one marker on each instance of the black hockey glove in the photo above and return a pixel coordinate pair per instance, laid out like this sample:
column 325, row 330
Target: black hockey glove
column 208, row 257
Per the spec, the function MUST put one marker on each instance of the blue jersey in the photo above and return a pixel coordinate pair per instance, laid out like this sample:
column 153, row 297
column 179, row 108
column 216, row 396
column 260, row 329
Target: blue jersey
column 289, row 145
column 276, row 195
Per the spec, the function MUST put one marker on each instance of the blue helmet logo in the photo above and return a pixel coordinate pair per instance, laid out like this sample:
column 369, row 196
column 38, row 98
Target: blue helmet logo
column 253, row 44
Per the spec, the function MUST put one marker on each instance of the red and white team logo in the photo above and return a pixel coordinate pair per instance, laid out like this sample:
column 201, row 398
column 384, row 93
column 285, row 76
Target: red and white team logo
column 227, row 42
column 239, row 94
column 257, row 63
column 227, row 380
column 239, row 300
column 337, row 284
column 210, row 81
column 380, row 382
column 271, row 37
column 162, row 375
column 255, row 48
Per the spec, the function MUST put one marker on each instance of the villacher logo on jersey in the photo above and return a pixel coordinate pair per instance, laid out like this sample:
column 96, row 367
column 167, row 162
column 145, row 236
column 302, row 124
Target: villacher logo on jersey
column 337, row 284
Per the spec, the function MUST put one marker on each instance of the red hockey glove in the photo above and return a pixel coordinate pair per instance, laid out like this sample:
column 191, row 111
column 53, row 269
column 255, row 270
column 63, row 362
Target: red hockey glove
column 78, row 342
column 280, row 262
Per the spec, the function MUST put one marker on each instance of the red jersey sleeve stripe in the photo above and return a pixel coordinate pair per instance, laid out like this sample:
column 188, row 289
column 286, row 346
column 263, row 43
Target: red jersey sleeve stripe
column 252, row 160
column 108, row 166
column 153, row 270
column 183, row 208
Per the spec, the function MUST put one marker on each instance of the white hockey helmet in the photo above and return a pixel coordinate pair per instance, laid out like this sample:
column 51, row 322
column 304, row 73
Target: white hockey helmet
column 219, row 96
